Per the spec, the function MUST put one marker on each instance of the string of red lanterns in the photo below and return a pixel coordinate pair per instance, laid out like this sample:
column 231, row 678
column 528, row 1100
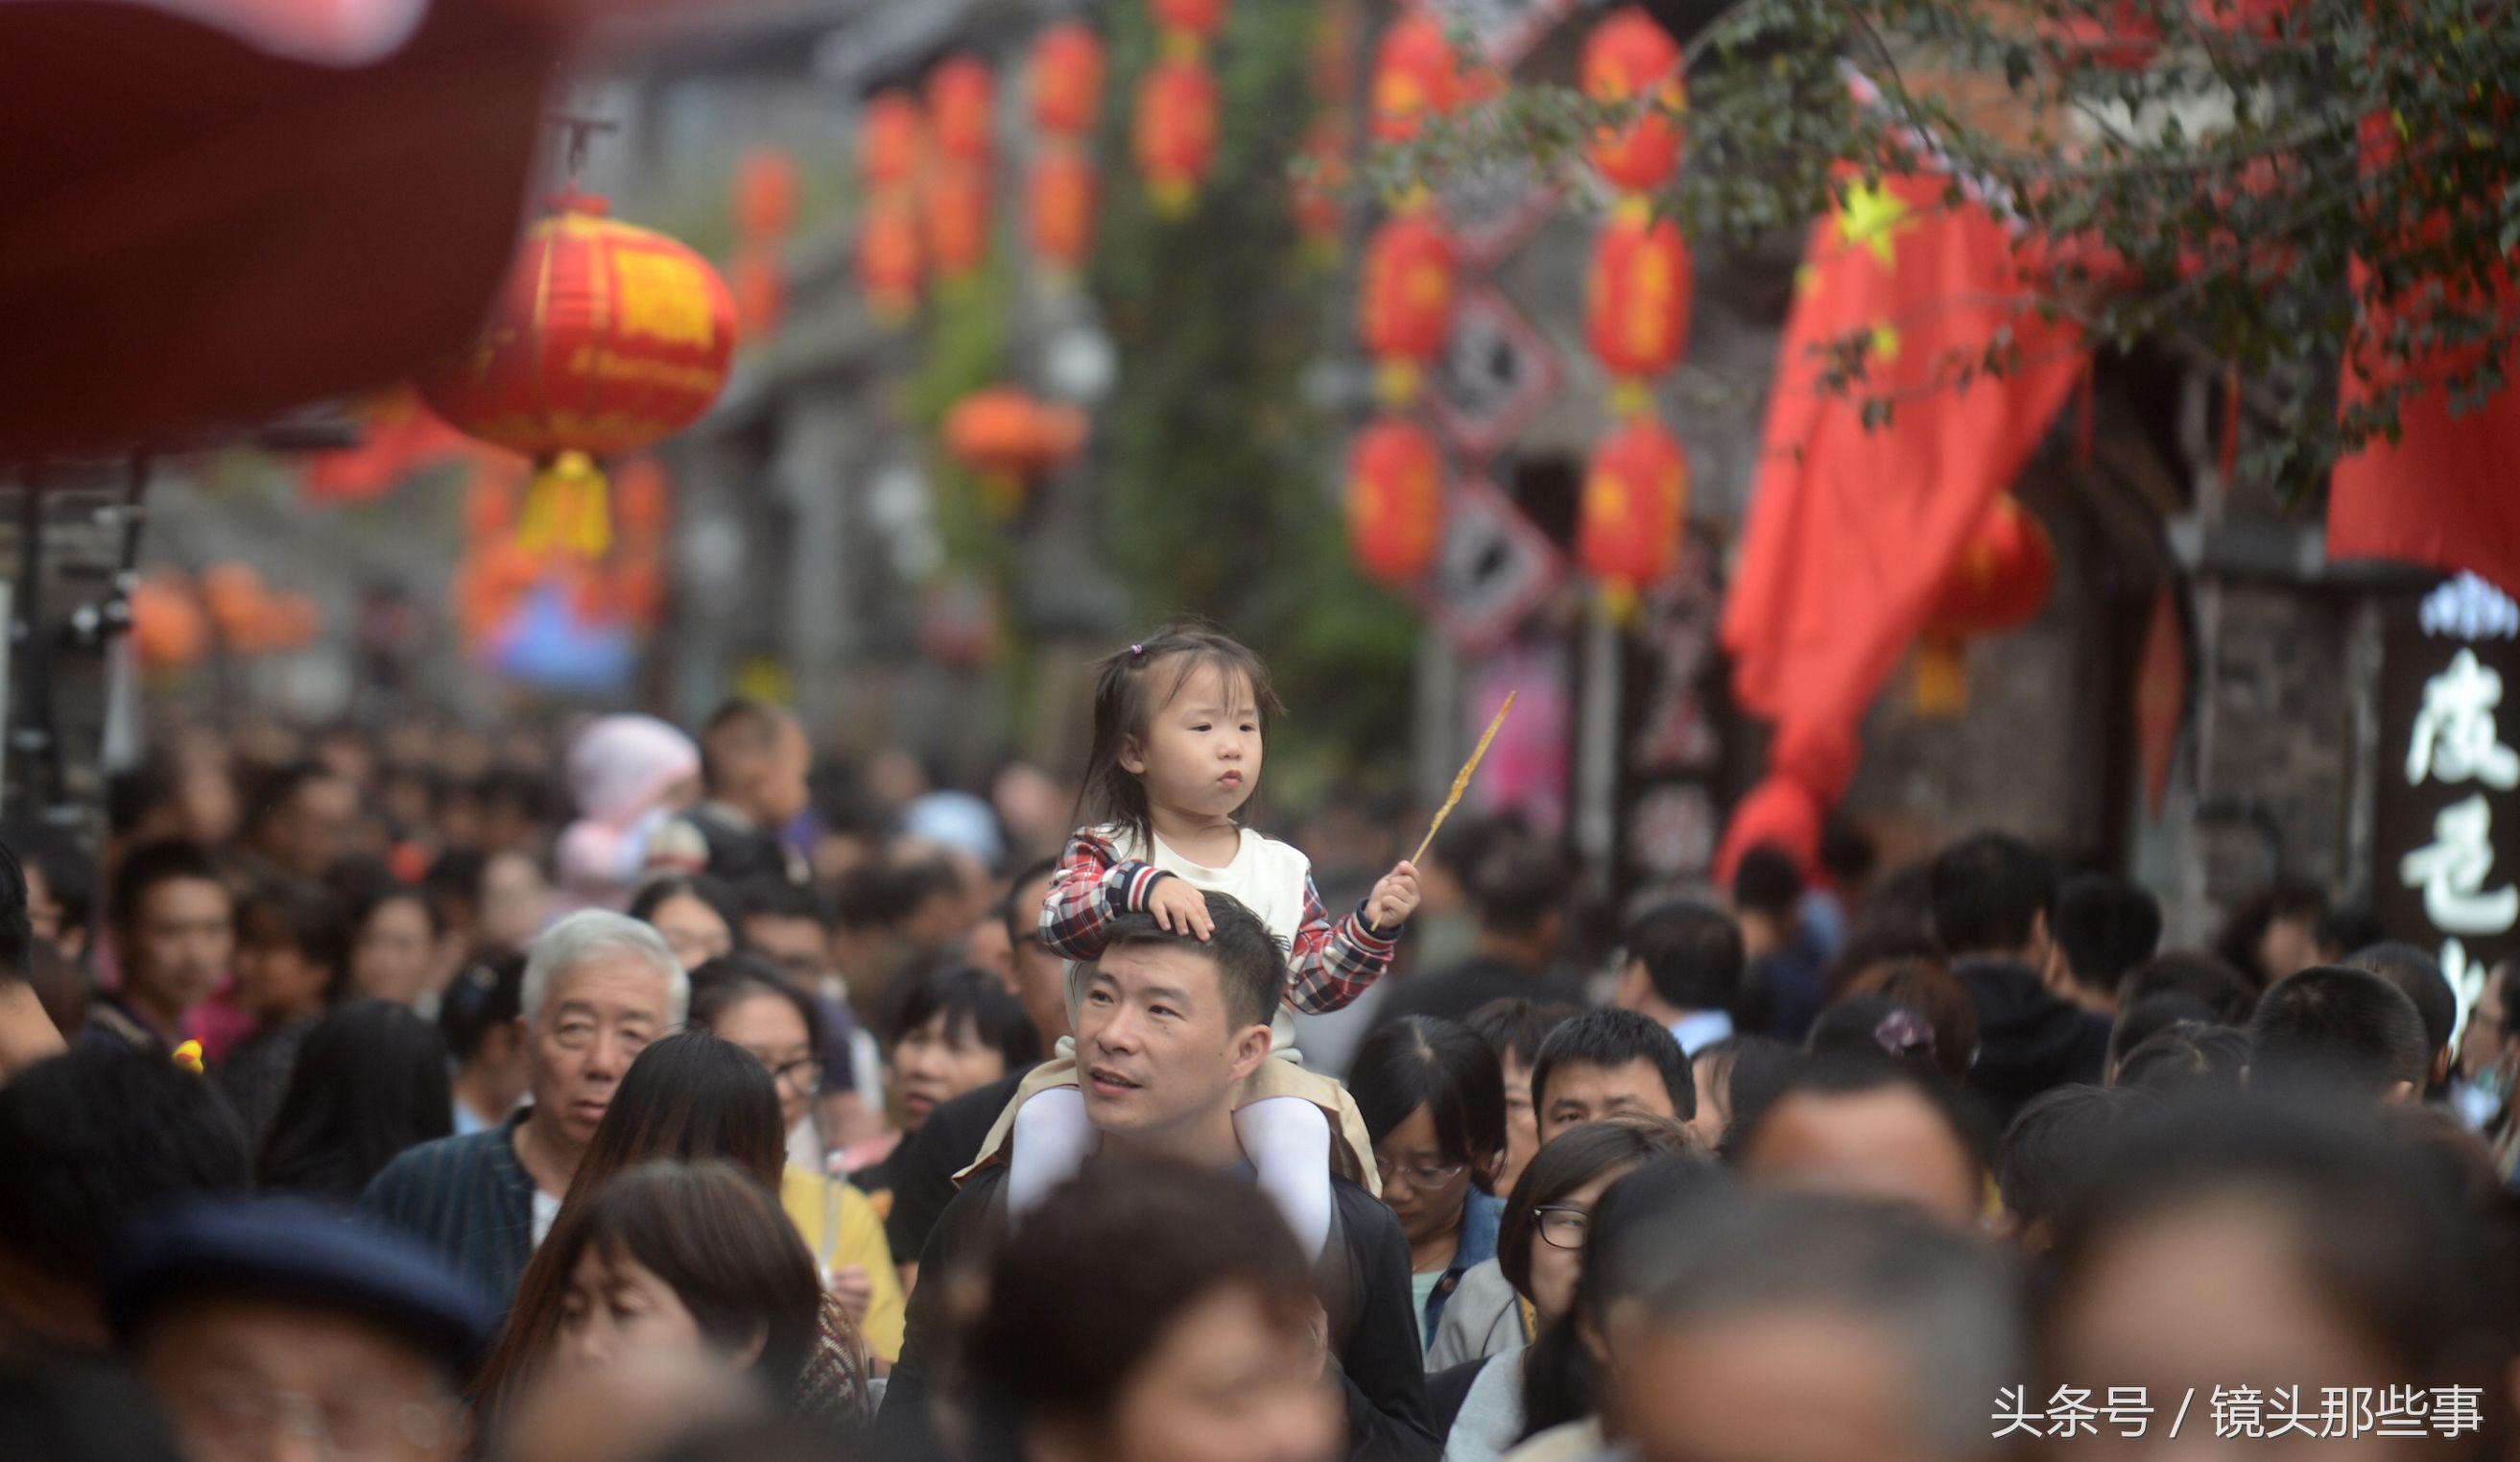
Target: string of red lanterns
column 1064, row 188
column 961, row 107
column 891, row 256
column 1174, row 130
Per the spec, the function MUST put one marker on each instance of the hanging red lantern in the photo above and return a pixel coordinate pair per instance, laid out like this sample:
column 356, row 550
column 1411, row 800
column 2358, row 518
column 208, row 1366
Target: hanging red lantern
column 1415, row 75
column 606, row 338
column 765, row 194
column 1405, row 296
column 890, row 255
column 891, row 137
column 168, row 629
column 1637, row 303
column 1635, row 501
column 757, row 278
column 962, row 102
column 1395, row 500
column 1059, row 202
column 1627, row 57
column 1187, row 20
column 1174, row 131
column 1010, row 440
column 1065, row 79
column 957, row 213
column 2000, row 582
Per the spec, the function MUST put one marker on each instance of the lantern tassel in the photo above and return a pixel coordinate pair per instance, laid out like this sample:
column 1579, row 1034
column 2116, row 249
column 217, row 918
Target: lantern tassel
column 567, row 509
column 1941, row 687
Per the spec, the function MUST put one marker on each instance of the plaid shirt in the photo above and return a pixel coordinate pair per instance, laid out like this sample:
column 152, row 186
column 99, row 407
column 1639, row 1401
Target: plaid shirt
column 1328, row 965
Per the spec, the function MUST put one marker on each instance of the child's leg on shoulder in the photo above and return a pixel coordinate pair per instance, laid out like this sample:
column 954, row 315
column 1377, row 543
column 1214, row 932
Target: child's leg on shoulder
column 1289, row 1141
column 1051, row 1139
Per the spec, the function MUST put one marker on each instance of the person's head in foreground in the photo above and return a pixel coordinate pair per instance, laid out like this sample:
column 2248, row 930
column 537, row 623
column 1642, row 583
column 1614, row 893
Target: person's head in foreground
column 1605, row 1062
column 1869, row 1126
column 270, row 1328
column 2345, row 1035
column 2262, row 1244
column 1198, row 1341
column 1169, row 1023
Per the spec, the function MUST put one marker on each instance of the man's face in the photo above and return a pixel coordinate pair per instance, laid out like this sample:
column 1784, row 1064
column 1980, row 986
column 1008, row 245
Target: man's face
column 2481, row 1045
column 802, row 948
column 1522, row 1124
column 313, row 829
column 1156, row 1048
column 261, row 1381
column 782, row 790
column 1888, row 1146
column 594, row 1023
column 181, row 942
column 1580, row 1091
column 1797, row 1384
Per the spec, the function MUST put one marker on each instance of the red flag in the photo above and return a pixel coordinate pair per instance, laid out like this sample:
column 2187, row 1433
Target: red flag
column 398, row 436
column 1852, row 529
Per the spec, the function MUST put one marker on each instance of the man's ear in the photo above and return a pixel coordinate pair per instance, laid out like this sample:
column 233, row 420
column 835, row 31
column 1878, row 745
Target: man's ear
column 1250, row 1047
column 2399, row 1094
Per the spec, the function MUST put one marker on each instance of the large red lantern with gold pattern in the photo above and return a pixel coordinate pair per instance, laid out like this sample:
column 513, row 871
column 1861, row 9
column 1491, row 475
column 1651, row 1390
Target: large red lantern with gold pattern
column 891, row 139
column 1395, row 500
column 1065, row 79
column 1626, row 56
column 1405, row 296
column 1636, row 499
column 1174, row 132
column 1637, row 300
column 606, row 338
column 2000, row 582
column 962, row 102
column 1415, row 75
column 1060, row 198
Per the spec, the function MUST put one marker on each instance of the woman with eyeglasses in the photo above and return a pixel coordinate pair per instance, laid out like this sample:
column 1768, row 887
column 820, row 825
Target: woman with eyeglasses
column 751, row 1004
column 1503, row 1303
column 1433, row 1100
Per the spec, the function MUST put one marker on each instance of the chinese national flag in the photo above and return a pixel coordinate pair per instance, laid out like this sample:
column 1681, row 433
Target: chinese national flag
column 1851, row 528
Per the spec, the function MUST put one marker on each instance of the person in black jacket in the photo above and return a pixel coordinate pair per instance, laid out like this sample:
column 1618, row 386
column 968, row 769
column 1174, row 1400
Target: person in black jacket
column 1168, row 1026
column 1993, row 899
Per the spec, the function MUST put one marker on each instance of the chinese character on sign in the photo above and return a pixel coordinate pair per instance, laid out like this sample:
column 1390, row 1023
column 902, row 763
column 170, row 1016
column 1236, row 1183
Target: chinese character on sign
column 2130, row 1410
column 2238, row 1411
column 2455, row 1409
column 2404, row 1411
column 2070, row 1414
column 2012, row 1413
column 2455, row 737
column 2451, row 870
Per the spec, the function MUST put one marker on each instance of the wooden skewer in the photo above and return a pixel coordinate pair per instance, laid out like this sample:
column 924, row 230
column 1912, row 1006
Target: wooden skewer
column 1462, row 783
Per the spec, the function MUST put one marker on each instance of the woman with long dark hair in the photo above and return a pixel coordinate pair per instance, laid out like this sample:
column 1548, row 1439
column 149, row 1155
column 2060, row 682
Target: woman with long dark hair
column 370, row 1081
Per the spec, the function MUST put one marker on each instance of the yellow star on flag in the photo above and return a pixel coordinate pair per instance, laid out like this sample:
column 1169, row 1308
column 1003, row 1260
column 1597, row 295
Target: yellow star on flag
column 1872, row 219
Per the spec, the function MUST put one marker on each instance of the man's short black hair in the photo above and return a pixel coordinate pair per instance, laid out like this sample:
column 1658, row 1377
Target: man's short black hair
column 1855, row 1074
column 67, row 867
column 740, row 727
column 2186, row 1058
column 2106, row 926
column 2047, row 1154
column 2340, row 1030
column 1024, row 920
column 778, row 899
column 1517, row 884
column 308, row 920
column 1250, row 962
column 1768, row 882
column 275, row 789
column 969, row 999
column 98, row 1137
column 1988, row 892
column 144, row 868
column 17, row 927
column 1691, row 953
column 1514, row 1027
column 2418, row 977
column 1612, row 1039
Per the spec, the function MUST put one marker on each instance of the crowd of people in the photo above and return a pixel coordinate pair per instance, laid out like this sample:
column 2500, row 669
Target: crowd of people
column 421, row 1095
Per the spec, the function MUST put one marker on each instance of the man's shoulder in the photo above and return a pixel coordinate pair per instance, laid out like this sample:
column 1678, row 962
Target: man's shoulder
column 976, row 1110
column 444, row 1159
column 1360, row 1214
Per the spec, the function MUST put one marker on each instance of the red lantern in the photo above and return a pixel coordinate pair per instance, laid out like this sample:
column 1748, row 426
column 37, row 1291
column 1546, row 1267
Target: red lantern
column 2000, row 582
column 1008, row 440
column 757, row 278
column 765, row 194
column 1626, row 56
column 1405, row 296
column 961, row 98
column 1636, row 500
column 1065, row 79
column 1059, row 206
column 890, row 255
column 1415, row 75
column 168, row 630
column 1191, row 20
column 891, row 139
column 1637, row 300
column 606, row 338
column 1395, row 500
column 956, row 212
column 1174, row 135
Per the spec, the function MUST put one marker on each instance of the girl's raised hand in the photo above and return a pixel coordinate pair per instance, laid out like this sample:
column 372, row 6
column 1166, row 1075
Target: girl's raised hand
column 1394, row 898
column 1180, row 908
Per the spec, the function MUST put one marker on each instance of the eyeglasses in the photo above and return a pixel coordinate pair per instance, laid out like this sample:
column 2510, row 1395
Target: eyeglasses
column 1420, row 1175
column 247, row 1420
column 1563, row 1227
column 804, row 1075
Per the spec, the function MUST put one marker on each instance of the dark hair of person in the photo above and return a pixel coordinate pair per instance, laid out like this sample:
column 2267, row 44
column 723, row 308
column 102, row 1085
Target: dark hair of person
column 1466, row 840
column 2148, row 1018
column 1021, row 919
column 486, row 994
column 1869, row 1025
column 1059, row 1341
column 2418, row 977
column 2106, row 926
column 63, row 1410
column 1134, row 685
column 730, row 979
column 453, row 879
column 1928, row 988
column 1987, row 894
column 17, row 924
column 302, row 918
column 1514, row 1027
column 2208, row 980
column 1570, row 1161
column 2345, row 1029
column 370, row 1081
column 135, row 793
column 61, row 988
column 144, row 868
column 778, row 899
column 2186, row 1058
column 1250, row 962
column 1517, row 884
column 276, row 788
column 1768, row 880
column 740, row 727
column 377, row 894
column 94, row 1138
column 658, row 892
column 2047, row 1154
column 1691, row 953
column 69, row 869
column 974, row 1004
column 1612, row 1039
column 688, row 1098
column 1879, row 938
column 1442, row 1065
column 1859, row 1073
column 2246, row 928
column 1754, row 1068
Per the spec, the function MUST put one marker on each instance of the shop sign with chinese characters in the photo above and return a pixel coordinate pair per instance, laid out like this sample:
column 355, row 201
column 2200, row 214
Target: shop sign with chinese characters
column 2446, row 819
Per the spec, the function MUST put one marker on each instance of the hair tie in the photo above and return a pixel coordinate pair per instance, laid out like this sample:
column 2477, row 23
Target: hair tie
column 1904, row 1033
column 1138, row 651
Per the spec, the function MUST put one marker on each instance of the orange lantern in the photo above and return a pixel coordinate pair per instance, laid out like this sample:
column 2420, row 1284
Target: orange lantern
column 891, row 139
column 168, row 630
column 1627, row 57
column 961, row 98
column 1395, row 500
column 1636, row 499
column 1637, row 300
column 233, row 593
column 765, row 194
column 1059, row 206
column 1187, row 20
column 1008, row 440
column 2000, row 582
column 1174, row 131
column 890, row 255
column 1405, row 296
column 606, row 338
column 1415, row 75
column 1065, row 79
column 956, row 203
column 757, row 278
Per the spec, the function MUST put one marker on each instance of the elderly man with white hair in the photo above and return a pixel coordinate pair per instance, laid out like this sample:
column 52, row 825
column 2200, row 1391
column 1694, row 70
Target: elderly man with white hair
column 598, row 987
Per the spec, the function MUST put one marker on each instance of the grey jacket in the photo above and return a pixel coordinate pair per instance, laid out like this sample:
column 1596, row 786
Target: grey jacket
column 1483, row 1318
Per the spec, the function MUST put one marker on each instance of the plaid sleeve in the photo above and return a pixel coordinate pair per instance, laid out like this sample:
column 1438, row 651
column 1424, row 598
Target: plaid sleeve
column 1330, row 963
column 1091, row 886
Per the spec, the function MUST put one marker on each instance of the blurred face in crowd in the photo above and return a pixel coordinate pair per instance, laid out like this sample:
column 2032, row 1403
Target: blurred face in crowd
column 939, row 1061
column 275, row 978
column 802, row 948
column 770, row 781
column 1228, row 1381
column 1038, row 977
column 308, row 833
column 1580, row 1091
column 1714, row 1101
column 770, row 1027
column 616, row 1308
column 1800, row 1383
column 44, row 911
column 1156, row 1051
column 596, row 1019
column 396, row 957
column 1557, row 1245
column 515, row 900
column 1202, row 753
column 988, row 948
column 257, row 1380
column 206, row 806
column 2290, row 945
column 1888, row 1145
column 2486, row 1050
column 178, row 944
column 693, row 930
column 1521, row 1123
